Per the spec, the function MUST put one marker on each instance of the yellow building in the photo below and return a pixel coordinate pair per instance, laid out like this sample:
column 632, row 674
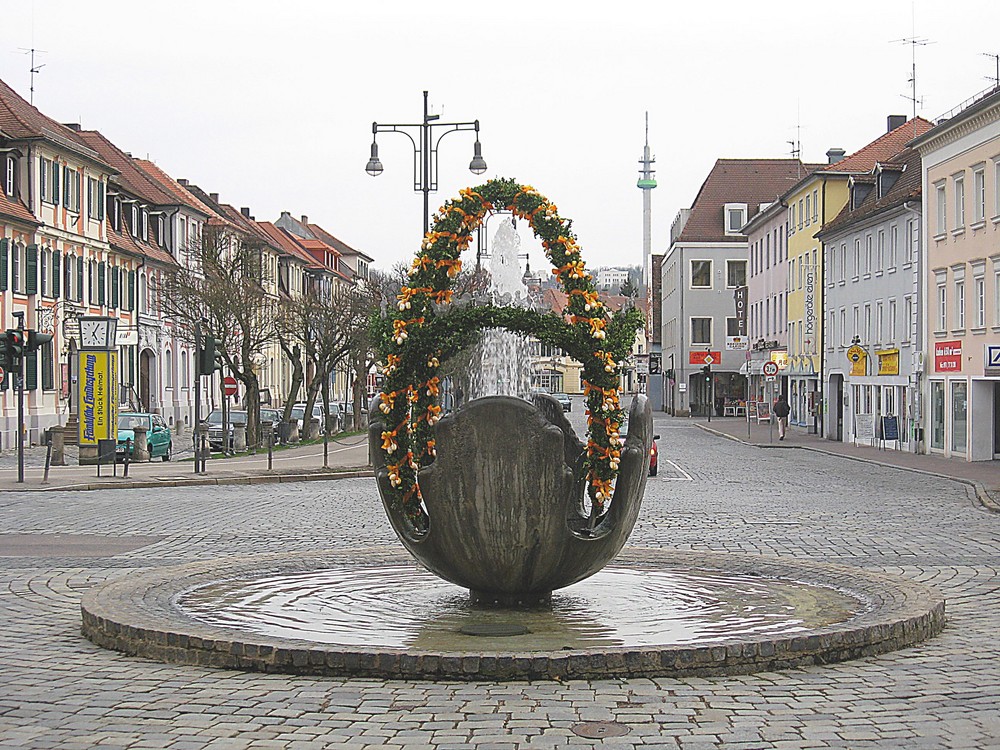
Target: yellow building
column 815, row 200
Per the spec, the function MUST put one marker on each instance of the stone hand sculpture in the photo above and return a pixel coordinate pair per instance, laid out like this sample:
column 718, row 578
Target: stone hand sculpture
column 505, row 500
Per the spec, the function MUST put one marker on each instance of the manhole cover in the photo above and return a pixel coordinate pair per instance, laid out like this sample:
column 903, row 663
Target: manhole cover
column 595, row 730
column 495, row 629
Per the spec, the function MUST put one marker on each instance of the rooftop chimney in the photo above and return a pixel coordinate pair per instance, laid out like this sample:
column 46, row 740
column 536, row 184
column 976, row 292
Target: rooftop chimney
column 305, row 220
column 182, row 181
column 214, row 197
column 246, row 212
column 894, row 121
column 834, row 155
column 73, row 126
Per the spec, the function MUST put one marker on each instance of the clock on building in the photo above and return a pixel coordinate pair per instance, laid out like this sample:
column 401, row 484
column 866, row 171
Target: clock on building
column 98, row 332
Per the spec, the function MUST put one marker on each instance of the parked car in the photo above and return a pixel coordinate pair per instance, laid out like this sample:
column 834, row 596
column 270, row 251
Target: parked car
column 158, row 435
column 215, row 431
column 564, row 400
column 654, row 450
column 298, row 410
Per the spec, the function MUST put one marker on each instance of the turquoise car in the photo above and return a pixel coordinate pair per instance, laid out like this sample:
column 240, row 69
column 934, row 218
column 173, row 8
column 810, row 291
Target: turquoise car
column 158, row 435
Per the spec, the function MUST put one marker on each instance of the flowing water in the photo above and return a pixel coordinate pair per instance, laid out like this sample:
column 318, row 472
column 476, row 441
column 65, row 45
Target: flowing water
column 500, row 364
column 399, row 606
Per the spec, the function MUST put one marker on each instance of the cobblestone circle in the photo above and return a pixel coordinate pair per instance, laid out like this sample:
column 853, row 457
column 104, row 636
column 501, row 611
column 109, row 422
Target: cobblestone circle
column 58, row 690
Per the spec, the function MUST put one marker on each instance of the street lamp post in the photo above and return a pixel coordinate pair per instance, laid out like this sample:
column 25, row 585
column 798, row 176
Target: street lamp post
column 425, row 152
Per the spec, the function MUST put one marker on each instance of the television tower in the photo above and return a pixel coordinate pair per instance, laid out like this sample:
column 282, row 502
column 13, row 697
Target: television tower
column 646, row 183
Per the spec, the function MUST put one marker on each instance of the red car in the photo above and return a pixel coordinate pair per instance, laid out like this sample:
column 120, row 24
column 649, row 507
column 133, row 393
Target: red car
column 654, row 451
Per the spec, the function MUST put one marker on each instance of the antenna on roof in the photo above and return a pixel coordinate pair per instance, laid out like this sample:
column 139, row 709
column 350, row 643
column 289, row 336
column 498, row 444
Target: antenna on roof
column 914, row 41
column 996, row 58
column 796, row 150
column 33, row 69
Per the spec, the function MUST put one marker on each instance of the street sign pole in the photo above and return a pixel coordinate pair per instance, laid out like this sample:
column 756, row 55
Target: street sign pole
column 19, row 375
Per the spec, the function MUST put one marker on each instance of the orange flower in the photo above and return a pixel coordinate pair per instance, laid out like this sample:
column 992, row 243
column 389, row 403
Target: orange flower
column 389, row 444
column 433, row 414
column 433, row 386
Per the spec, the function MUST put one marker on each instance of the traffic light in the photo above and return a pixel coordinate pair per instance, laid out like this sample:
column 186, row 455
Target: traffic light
column 707, row 372
column 209, row 360
column 13, row 350
column 36, row 339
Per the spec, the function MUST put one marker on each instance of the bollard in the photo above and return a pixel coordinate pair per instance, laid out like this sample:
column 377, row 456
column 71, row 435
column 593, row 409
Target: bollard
column 141, row 444
column 48, row 457
column 128, row 456
column 239, row 438
column 58, row 436
column 270, row 449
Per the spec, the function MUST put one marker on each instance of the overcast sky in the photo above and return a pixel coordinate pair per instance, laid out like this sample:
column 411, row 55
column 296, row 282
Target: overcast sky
column 270, row 104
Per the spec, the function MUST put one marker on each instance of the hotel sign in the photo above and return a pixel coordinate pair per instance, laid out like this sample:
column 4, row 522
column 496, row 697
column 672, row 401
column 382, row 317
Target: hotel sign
column 98, row 396
column 947, row 356
column 858, row 358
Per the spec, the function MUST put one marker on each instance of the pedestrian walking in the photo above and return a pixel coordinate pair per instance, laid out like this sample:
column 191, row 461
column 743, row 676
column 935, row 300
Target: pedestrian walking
column 781, row 410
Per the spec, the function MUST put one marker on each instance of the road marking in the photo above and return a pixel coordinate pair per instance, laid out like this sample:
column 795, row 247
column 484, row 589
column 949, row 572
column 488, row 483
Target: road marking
column 685, row 477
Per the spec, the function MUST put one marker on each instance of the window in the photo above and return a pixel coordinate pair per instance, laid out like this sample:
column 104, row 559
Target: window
column 879, row 320
column 843, row 326
column 791, row 224
column 71, row 189
column 816, row 205
column 907, row 318
column 808, row 209
column 868, row 323
column 979, row 194
column 733, row 327
column 16, row 271
column 942, row 213
column 868, row 255
column 791, row 274
column 959, row 185
column 959, row 416
column 736, row 273
column 44, row 275
column 843, row 261
column 701, row 331
column 767, row 250
column 116, row 214
column 832, row 263
column 736, row 217
column 48, row 180
column 48, row 366
column 980, row 292
column 145, row 224
column 913, row 241
column 10, row 176
column 891, row 337
column 857, row 329
column 880, row 257
column 95, row 199
column 942, row 307
column 69, row 263
column 168, row 369
column 893, row 247
column 857, row 258
column 801, row 215
column 701, row 274
column 960, row 303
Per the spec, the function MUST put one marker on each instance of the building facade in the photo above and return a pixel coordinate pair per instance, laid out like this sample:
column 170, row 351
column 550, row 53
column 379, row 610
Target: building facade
column 961, row 214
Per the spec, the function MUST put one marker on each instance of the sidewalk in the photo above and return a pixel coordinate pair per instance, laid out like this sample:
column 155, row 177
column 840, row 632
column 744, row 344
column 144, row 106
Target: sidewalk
column 983, row 476
column 347, row 457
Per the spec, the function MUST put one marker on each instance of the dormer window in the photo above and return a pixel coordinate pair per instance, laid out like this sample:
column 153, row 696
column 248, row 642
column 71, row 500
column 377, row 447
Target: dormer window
column 145, row 224
column 116, row 213
column 736, row 217
column 134, row 223
column 10, row 176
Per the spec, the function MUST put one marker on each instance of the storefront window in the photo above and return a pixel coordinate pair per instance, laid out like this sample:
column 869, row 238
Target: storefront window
column 937, row 414
column 959, row 416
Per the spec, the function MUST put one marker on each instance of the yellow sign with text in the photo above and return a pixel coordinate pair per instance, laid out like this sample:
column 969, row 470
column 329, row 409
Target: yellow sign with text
column 97, row 402
column 858, row 358
column 888, row 362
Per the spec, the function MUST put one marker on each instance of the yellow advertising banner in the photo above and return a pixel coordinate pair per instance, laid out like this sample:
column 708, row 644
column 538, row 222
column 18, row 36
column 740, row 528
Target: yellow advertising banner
column 780, row 359
column 858, row 358
column 888, row 362
column 97, row 402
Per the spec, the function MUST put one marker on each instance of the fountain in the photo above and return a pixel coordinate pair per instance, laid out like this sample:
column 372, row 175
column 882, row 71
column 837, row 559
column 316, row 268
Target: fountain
column 517, row 526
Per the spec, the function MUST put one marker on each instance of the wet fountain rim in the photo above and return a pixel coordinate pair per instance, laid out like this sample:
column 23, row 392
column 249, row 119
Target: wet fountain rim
column 137, row 615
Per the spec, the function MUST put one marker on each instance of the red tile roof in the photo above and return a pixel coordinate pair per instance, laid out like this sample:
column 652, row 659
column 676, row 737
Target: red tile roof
column 15, row 209
column 749, row 181
column 339, row 245
column 135, row 180
column 182, row 194
column 289, row 244
column 125, row 242
column 882, row 148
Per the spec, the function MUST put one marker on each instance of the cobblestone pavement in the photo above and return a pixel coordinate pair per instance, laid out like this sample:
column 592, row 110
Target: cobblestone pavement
column 59, row 691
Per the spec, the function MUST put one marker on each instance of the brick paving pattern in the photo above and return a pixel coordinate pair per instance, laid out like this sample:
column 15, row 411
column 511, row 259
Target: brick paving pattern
column 57, row 690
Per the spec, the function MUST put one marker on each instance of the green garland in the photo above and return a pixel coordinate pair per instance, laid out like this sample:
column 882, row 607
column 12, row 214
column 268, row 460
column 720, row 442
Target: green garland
column 422, row 332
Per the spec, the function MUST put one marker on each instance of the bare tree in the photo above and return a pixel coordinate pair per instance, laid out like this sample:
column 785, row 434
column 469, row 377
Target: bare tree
column 224, row 291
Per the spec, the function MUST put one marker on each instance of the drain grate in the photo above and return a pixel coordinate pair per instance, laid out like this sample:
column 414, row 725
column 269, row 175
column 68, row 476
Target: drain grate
column 595, row 730
column 494, row 629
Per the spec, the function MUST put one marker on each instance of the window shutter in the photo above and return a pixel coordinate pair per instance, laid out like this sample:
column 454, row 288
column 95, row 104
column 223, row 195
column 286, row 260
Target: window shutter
column 114, row 287
column 55, row 183
column 48, row 367
column 100, row 201
column 31, row 270
column 56, row 274
column 131, row 290
column 102, row 286
column 4, row 262
column 66, row 194
column 30, row 370
column 79, row 278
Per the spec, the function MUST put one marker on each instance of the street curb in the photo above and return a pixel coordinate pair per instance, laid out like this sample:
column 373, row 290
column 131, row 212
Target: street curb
column 982, row 495
column 319, row 475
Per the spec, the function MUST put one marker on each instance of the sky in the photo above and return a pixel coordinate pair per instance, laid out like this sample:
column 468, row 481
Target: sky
column 271, row 104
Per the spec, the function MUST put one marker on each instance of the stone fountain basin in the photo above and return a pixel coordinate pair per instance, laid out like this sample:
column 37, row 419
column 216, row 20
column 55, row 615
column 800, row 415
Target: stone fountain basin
column 140, row 615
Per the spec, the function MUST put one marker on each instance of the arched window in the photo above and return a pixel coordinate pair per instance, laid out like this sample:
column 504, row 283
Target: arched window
column 168, row 369
column 185, row 373
column 143, row 295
